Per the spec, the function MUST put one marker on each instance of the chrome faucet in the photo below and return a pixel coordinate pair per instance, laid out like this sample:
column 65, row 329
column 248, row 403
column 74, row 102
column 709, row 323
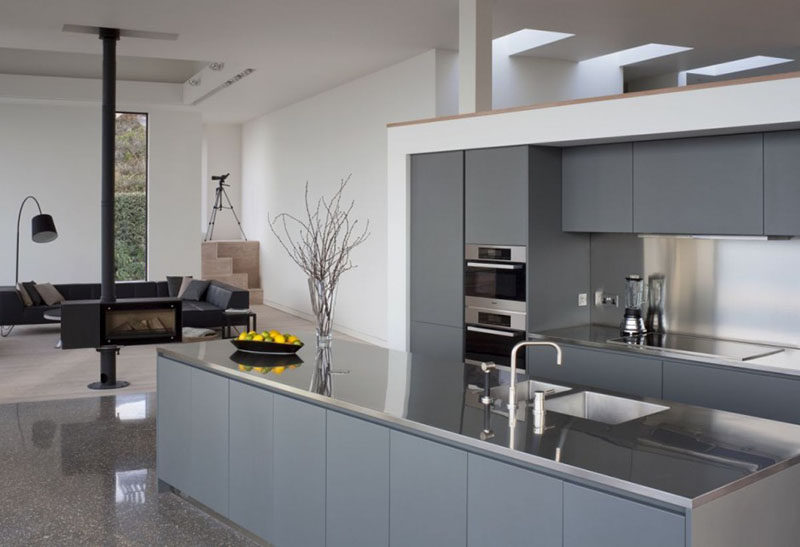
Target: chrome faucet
column 512, row 388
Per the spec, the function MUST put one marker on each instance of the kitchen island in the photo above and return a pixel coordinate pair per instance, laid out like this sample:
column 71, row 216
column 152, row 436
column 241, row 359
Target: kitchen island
column 390, row 448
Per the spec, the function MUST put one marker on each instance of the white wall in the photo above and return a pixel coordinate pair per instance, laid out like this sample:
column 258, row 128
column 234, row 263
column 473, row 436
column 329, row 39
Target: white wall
column 320, row 140
column 52, row 150
column 222, row 153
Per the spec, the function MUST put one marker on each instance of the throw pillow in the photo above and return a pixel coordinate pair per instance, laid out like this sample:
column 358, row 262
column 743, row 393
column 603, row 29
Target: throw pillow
column 195, row 290
column 23, row 294
column 174, row 284
column 49, row 294
column 30, row 288
column 184, row 285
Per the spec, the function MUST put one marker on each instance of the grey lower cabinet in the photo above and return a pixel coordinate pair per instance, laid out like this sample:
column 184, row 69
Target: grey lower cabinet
column 704, row 185
column 620, row 372
column 508, row 505
column 782, row 183
column 428, row 489
column 496, row 196
column 745, row 392
column 251, row 484
column 299, row 473
column 599, row 519
column 437, row 238
column 174, row 399
column 597, row 188
column 357, row 483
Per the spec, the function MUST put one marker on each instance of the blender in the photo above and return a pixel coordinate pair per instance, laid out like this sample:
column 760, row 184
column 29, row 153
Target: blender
column 632, row 322
column 655, row 322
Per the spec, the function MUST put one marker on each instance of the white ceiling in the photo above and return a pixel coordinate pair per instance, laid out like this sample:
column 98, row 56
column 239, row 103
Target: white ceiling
column 302, row 47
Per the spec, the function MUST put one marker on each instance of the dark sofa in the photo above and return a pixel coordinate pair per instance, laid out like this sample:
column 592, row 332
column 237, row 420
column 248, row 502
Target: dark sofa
column 205, row 313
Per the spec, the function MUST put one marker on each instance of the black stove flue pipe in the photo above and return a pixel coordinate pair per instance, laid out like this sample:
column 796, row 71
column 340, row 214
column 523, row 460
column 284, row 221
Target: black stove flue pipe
column 108, row 354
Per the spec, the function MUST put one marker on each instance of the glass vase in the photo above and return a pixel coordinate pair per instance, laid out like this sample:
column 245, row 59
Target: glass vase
column 323, row 300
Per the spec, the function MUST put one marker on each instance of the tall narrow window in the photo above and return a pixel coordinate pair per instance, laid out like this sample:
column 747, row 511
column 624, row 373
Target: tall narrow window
column 130, row 198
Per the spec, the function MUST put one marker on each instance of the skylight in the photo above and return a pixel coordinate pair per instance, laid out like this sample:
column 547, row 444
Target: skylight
column 528, row 39
column 748, row 63
column 642, row 53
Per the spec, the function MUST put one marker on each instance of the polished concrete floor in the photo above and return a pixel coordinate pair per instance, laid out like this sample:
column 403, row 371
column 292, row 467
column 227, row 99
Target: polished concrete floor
column 82, row 472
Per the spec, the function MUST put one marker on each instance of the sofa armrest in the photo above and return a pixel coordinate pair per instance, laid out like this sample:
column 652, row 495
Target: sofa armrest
column 227, row 296
column 11, row 306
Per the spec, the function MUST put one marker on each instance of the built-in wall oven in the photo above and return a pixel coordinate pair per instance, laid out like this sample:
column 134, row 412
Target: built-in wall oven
column 494, row 302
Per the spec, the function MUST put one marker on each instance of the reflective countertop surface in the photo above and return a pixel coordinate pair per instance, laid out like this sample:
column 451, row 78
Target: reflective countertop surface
column 683, row 456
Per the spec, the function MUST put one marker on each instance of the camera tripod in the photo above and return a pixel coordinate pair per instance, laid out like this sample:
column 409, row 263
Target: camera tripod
column 218, row 206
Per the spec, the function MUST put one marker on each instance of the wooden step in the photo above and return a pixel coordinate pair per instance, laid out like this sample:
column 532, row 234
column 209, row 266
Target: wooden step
column 236, row 279
column 216, row 266
column 256, row 296
column 245, row 256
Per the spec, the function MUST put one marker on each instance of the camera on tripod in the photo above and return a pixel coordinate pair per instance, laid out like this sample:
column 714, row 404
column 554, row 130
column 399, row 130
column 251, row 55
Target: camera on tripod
column 221, row 178
column 220, row 199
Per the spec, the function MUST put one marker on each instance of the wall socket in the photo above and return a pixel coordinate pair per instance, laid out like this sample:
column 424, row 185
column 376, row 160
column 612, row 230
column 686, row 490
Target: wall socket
column 583, row 299
column 602, row 299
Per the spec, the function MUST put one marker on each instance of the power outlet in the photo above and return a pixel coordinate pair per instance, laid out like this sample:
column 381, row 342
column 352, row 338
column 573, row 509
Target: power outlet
column 583, row 299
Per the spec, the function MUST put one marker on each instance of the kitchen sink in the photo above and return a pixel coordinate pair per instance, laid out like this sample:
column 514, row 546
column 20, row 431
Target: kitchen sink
column 525, row 390
column 600, row 407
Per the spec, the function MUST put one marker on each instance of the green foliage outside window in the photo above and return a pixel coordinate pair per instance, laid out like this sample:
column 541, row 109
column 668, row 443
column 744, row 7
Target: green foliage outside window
column 130, row 203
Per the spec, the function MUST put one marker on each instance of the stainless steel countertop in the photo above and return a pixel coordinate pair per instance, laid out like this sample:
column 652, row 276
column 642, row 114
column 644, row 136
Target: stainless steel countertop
column 785, row 362
column 679, row 458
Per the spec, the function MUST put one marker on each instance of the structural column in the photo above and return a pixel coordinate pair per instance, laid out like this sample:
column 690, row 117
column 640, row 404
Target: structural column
column 474, row 56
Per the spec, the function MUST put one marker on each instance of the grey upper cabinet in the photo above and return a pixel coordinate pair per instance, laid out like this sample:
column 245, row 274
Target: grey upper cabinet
column 782, row 183
column 437, row 238
column 437, row 341
column 496, row 196
column 597, row 188
column 706, row 185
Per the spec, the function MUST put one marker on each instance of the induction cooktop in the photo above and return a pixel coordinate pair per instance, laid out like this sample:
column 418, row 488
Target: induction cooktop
column 699, row 345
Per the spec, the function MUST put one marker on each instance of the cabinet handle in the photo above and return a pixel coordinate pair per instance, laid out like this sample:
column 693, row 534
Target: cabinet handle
column 491, row 331
column 491, row 266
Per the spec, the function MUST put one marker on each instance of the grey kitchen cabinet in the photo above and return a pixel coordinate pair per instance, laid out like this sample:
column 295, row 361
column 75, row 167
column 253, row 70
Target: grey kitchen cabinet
column 299, row 473
column 597, row 188
column 208, row 444
column 782, row 183
column 437, row 341
column 357, row 492
column 428, row 486
column 496, row 196
column 744, row 392
column 500, row 505
column 250, row 478
column 620, row 372
column 174, row 422
column 437, row 238
column 704, row 185
column 604, row 520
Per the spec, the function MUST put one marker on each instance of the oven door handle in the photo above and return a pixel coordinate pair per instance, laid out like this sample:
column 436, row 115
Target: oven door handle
column 493, row 266
column 491, row 331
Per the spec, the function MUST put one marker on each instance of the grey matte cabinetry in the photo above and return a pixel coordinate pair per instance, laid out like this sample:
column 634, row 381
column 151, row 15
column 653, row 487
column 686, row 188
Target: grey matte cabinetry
column 508, row 505
column 618, row 372
column 496, row 196
column 437, row 238
column 299, row 464
column 740, row 391
column 597, row 191
column 251, row 489
column 174, row 422
column 603, row 520
column 428, row 488
column 437, row 341
column 705, row 185
column 782, row 183
column 357, row 482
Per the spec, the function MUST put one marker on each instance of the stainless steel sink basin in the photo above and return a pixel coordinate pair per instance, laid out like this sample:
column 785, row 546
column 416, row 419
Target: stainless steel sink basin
column 600, row 407
column 525, row 390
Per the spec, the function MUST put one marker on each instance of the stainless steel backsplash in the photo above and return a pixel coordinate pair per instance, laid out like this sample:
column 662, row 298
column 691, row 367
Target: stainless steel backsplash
column 739, row 289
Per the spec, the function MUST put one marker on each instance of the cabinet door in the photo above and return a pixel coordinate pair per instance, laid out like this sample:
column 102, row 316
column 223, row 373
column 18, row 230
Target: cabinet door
column 437, row 341
column 357, row 482
column 597, row 188
column 437, row 238
column 603, row 520
column 251, row 488
column 707, row 185
column 507, row 505
column 208, row 462
column 174, row 422
column 496, row 196
column 744, row 392
column 428, row 489
column 624, row 373
column 782, row 183
column 299, row 473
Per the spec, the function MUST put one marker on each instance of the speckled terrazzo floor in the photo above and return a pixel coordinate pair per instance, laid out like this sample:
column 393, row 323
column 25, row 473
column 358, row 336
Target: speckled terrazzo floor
column 82, row 472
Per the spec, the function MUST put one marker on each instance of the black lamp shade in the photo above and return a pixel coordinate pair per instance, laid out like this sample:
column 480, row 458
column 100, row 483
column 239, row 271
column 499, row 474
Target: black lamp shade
column 43, row 228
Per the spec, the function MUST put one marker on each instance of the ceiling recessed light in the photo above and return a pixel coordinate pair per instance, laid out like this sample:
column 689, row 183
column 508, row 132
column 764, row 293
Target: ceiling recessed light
column 748, row 63
column 528, row 39
column 641, row 53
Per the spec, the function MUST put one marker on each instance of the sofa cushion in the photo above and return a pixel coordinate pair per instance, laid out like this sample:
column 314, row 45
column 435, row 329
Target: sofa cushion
column 49, row 294
column 195, row 290
column 23, row 294
column 201, row 314
column 77, row 291
column 30, row 287
column 174, row 284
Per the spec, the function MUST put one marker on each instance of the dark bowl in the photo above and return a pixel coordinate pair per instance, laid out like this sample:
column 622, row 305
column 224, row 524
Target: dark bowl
column 268, row 348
